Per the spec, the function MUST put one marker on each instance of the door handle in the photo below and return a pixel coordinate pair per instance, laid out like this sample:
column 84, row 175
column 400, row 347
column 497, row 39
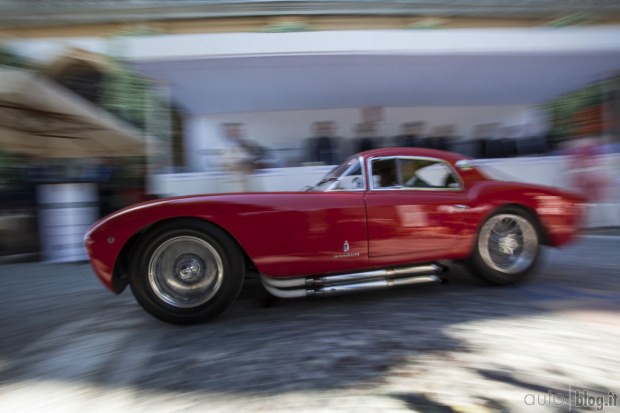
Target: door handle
column 461, row 207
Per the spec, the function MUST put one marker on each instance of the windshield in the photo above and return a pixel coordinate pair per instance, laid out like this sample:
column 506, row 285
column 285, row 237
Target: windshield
column 346, row 177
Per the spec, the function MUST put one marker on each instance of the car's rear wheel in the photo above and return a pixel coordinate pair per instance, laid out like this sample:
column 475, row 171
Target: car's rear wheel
column 507, row 248
column 187, row 271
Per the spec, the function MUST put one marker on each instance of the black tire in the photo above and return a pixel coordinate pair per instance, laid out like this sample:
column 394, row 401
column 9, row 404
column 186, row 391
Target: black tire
column 186, row 271
column 505, row 260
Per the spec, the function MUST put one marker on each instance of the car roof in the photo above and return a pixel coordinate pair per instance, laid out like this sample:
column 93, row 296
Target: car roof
column 425, row 152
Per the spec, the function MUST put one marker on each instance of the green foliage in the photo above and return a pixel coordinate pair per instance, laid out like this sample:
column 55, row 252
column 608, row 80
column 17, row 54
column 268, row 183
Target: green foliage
column 287, row 28
column 563, row 108
column 427, row 24
column 577, row 19
column 138, row 31
column 8, row 58
column 126, row 93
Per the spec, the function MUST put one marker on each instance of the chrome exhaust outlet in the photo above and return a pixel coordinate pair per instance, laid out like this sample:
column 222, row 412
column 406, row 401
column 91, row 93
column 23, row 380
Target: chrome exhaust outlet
column 372, row 285
column 283, row 283
column 369, row 275
column 293, row 293
column 345, row 283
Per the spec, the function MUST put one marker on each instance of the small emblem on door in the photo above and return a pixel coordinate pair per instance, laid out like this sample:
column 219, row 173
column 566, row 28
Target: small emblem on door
column 346, row 253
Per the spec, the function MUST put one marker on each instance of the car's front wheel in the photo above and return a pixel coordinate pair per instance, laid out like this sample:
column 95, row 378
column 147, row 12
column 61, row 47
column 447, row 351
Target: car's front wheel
column 507, row 248
column 187, row 271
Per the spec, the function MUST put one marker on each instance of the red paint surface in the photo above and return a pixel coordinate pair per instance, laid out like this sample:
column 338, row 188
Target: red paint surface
column 303, row 233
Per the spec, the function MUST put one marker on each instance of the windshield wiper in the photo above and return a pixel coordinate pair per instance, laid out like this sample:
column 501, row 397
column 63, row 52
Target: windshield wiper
column 326, row 180
column 321, row 182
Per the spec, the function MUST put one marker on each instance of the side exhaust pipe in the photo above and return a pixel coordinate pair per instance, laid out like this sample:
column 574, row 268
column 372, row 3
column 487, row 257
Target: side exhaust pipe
column 352, row 282
column 372, row 285
column 388, row 273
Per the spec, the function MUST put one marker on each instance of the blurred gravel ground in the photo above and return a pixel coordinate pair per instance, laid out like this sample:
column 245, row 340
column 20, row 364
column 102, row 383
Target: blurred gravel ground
column 68, row 345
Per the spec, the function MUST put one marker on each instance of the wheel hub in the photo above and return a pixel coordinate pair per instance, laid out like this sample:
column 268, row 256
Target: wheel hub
column 189, row 269
column 508, row 244
column 185, row 271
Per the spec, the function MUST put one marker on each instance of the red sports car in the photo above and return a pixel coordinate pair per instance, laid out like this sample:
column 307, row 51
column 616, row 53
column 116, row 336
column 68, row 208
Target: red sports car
column 383, row 218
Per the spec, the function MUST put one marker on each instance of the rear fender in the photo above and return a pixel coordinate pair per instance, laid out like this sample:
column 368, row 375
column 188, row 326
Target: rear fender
column 555, row 211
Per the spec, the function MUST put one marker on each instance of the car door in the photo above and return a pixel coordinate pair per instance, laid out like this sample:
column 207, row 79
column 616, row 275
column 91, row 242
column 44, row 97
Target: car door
column 414, row 209
column 304, row 233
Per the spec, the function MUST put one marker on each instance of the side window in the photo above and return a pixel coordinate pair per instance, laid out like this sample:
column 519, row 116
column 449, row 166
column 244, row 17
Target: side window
column 385, row 173
column 427, row 173
column 414, row 173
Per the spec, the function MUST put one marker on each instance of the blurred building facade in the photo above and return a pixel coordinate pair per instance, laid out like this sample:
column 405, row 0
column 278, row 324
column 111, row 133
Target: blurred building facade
column 182, row 46
column 492, row 78
column 87, row 18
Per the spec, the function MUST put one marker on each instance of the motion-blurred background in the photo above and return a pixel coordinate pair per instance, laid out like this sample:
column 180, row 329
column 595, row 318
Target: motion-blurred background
column 108, row 103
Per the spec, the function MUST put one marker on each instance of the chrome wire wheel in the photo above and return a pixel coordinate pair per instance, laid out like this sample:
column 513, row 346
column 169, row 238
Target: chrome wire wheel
column 185, row 271
column 508, row 243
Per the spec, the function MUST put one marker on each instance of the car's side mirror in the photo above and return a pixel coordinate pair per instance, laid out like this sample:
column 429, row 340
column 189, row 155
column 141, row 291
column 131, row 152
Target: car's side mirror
column 465, row 164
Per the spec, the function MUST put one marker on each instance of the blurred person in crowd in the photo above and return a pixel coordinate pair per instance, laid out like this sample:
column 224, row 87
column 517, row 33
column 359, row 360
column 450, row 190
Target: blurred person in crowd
column 587, row 170
column 239, row 156
column 366, row 135
column 326, row 142
column 411, row 135
column 436, row 138
column 324, row 146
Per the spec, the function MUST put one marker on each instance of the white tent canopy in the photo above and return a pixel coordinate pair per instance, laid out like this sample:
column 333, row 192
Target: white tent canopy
column 248, row 72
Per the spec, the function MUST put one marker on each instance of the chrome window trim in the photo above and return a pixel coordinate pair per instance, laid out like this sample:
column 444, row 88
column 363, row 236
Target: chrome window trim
column 466, row 164
column 360, row 159
column 404, row 188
